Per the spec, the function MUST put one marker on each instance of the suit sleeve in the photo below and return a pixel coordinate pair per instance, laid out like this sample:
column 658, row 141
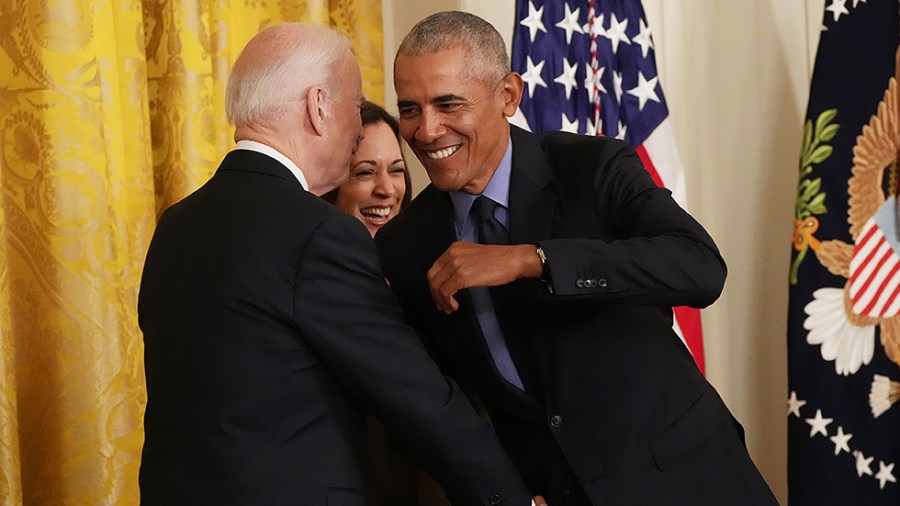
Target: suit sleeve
column 657, row 253
column 350, row 317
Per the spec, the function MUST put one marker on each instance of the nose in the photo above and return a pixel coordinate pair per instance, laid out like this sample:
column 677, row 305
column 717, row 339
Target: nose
column 430, row 127
column 384, row 187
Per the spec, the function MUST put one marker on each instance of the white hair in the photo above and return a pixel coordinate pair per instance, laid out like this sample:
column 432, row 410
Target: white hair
column 302, row 55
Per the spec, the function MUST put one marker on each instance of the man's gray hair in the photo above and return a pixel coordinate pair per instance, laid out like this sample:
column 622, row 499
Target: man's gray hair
column 303, row 55
column 481, row 42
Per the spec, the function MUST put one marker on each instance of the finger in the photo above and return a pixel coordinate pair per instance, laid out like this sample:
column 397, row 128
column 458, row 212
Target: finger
column 436, row 278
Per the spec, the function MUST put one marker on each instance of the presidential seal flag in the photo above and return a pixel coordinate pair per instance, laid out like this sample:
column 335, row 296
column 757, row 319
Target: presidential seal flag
column 843, row 321
column 589, row 67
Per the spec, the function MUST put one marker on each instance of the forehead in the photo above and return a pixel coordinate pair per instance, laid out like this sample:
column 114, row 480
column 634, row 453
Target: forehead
column 427, row 76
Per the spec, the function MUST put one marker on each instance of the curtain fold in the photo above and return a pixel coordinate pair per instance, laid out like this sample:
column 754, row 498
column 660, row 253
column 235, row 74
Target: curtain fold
column 109, row 112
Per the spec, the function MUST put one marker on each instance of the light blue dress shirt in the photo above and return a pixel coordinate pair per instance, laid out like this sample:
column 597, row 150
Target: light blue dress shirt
column 497, row 190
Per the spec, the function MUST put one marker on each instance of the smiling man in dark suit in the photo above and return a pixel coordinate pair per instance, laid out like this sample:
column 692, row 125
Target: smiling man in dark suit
column 541, row 271
column 267, row 321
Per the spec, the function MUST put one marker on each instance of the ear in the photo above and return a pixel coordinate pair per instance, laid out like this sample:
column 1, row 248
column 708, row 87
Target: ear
column 317, row 108
column 511, row 88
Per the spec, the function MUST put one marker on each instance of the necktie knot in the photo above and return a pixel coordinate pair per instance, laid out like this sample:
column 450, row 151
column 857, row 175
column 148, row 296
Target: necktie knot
column 490, row 230
column 483, row 208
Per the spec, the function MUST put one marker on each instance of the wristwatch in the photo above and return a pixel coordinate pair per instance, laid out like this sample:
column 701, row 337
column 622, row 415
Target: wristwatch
column 545, row 275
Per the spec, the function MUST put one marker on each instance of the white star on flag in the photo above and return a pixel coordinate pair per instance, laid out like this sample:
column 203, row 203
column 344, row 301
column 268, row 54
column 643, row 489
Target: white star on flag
column 592, row 82
column 644, row 39
column 595, row 26
column 794, row 405
column 621, row 134
column 532, row 76
column 616, row 32
column 840, row 441
column 617, row 86
column 863, row 464
column 569, row 126
column 567, row 78
column 534, row 21
column 858, row 2
column 569, row 23
column 645, row 90
column 837, row 8
column 885, row 474
column 591, row 128
column 818, row 424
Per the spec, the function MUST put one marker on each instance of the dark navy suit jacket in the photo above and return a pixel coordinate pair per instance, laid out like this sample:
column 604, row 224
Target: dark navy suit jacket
column 267, row 323
column 613, row 395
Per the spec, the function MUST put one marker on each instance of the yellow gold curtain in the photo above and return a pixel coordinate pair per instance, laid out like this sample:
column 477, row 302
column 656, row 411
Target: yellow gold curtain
column 109, row 112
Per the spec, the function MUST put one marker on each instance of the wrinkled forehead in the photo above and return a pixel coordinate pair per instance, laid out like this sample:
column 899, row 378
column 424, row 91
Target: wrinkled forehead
column 450, row 71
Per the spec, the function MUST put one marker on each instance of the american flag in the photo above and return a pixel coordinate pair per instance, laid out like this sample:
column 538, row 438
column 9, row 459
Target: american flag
column 589, row 67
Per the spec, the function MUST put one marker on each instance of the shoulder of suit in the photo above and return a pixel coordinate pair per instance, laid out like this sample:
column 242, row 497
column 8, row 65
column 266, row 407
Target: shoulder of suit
column 420, row 214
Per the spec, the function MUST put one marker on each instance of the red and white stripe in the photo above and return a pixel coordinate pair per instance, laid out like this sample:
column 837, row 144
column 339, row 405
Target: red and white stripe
column 874, row 283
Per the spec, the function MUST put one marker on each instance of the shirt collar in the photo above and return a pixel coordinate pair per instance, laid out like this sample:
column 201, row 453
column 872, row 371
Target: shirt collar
column 274, row 153
column 497, row 190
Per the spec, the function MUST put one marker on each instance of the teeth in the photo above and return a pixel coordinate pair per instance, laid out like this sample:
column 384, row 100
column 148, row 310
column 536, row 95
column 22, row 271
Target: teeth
column 443, row 153
column 378, row 211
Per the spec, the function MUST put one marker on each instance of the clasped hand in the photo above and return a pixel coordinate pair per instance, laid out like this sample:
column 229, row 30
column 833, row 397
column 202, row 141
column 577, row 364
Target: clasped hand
column 467, row 265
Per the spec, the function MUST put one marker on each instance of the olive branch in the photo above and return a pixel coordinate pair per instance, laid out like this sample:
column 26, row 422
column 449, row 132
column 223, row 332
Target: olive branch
column 810, row 197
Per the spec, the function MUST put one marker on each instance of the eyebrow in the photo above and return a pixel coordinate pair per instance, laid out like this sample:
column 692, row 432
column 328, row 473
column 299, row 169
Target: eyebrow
column 449, row 98
column 437, row 100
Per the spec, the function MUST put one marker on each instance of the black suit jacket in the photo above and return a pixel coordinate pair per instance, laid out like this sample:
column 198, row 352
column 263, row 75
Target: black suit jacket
column 612, row 391
column 266, row 322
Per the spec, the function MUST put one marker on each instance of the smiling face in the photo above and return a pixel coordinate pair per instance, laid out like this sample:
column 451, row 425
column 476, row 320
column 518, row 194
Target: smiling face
column 454, row 122
column 376, row 185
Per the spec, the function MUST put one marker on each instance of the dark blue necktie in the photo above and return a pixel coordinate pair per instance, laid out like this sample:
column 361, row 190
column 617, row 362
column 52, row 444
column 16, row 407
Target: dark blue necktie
column 490, row 230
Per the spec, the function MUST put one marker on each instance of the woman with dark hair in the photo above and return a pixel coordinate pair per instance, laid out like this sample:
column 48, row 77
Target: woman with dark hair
column 379, row 185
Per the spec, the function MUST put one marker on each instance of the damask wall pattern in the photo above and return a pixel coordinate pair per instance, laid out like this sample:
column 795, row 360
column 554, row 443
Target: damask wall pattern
column 110, row 110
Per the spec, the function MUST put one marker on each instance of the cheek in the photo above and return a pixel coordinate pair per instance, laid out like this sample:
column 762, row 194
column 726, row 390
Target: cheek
column 351, row 194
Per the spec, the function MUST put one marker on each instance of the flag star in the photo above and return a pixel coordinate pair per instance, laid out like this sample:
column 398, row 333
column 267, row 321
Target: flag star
column 616, row 32
column 621, row 133
column 569, row 23
column 794, row 404
column 644, row 39
column 617, row 86
column 590, row 128
column 592, row 82
column 840, row 441
column 532, row 76
column 863, row 464
column 885, row 474
column 818, row 424
column 645, row 90
column 534, row 21
column 567, row 78
column 837, row 8
column 569, row 126
column 595, row 26
column 855, row 2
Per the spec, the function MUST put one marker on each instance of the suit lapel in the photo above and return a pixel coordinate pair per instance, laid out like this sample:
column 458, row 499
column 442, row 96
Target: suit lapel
column 532, row 201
